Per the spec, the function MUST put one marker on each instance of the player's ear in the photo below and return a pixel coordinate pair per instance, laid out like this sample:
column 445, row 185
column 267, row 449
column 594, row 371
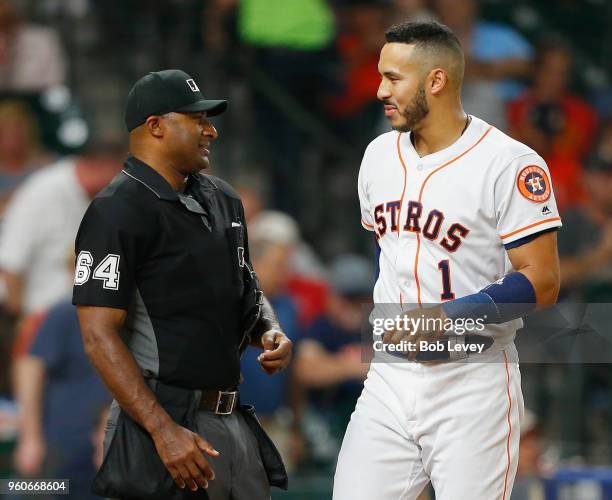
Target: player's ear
column 155, row 125
column 438, row 80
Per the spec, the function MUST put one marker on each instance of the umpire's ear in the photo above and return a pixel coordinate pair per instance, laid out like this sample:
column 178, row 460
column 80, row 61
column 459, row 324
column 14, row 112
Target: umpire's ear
column 155, row 126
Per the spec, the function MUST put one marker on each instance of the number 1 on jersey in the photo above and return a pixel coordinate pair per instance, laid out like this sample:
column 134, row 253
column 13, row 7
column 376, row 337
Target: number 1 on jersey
column 447, row 294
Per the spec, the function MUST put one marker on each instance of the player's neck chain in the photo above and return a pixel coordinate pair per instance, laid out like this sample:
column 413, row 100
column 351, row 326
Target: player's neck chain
column 467, row 124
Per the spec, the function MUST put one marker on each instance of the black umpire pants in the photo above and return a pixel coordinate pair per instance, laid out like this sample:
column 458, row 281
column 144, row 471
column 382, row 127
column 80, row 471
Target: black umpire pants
column 239, row 472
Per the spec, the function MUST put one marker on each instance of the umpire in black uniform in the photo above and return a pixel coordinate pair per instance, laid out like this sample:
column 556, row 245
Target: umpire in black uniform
column 165, row 291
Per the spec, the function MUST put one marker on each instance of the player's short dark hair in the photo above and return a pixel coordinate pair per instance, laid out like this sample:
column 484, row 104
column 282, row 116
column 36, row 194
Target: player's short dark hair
column 429, row 34
column 435, row 38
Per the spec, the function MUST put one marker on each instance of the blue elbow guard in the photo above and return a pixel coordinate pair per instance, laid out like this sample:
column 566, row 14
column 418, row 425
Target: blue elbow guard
column 510, row 298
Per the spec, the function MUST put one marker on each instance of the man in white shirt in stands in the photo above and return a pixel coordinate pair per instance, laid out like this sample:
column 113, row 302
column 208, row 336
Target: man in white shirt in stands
column 40, row 224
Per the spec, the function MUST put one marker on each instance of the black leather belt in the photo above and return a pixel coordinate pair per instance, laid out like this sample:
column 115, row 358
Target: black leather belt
column 443, row 353
column 219, row 402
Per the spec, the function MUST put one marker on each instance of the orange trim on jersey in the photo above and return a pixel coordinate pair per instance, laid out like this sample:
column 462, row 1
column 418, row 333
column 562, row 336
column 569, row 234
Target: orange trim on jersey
column 401, row 159
column 366, row 225
column 551, row 219
column 416, row 259
column 399, row 214
column 509, row 426
column 416, row 270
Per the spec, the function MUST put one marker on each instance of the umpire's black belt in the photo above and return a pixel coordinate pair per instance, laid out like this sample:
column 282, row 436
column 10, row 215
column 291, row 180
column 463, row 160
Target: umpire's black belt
column 219, row 402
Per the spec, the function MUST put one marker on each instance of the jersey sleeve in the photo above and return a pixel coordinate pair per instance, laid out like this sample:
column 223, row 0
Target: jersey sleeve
column 367, row 220
column 524, row 199
column 109, row 245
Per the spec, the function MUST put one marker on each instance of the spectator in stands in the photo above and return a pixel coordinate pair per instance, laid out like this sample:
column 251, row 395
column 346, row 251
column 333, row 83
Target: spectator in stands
column 329, row 356
column 148, row 35
column 585, row 242
column 559, row 125
column 361, row 35
column 497, row 58
column 291, row 46
column 31, row 57
column 306, row 283
column 253, row 193
column 60, row 396
column 20, row 149
column 272, row 241
column 411, row 10
column 41, row 223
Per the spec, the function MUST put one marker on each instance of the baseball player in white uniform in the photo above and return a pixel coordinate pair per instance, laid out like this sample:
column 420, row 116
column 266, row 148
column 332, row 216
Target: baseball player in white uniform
column 465, row 219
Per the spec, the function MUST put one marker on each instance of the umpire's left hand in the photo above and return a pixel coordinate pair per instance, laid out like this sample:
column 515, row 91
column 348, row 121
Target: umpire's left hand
column 277, row 351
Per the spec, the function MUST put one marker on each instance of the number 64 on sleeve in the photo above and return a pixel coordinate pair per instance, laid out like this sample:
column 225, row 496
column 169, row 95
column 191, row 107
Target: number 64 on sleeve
column 107, row 270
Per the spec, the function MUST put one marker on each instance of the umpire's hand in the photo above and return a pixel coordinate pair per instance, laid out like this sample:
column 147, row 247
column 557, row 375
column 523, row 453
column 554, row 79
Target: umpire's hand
column 277, row 351
column 181, row 451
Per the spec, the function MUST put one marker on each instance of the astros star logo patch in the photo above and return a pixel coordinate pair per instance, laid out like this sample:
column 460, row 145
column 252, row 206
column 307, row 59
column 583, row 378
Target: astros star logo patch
column 533, row 184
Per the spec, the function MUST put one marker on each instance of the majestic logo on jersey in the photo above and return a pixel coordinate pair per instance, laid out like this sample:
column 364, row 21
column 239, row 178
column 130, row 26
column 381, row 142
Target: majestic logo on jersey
column 386, row 217
column 533, row 184
column 546, row 210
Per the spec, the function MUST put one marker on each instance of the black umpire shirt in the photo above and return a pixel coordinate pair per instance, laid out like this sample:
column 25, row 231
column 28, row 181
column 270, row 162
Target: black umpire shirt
column 174, row 261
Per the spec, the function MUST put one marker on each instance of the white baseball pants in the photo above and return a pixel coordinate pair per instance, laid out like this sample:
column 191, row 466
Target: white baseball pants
column 454, row 424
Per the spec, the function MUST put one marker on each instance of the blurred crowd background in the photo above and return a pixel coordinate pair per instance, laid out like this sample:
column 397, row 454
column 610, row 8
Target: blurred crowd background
column 301, row 77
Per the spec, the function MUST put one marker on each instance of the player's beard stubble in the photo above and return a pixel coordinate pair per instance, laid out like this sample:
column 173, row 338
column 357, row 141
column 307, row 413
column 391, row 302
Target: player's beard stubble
column 414, row 112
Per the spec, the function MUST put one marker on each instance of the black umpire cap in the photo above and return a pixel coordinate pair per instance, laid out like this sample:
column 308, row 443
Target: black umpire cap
column 164, row 91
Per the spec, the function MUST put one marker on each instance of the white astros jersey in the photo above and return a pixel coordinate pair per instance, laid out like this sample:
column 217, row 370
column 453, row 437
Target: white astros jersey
column 442, row 220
